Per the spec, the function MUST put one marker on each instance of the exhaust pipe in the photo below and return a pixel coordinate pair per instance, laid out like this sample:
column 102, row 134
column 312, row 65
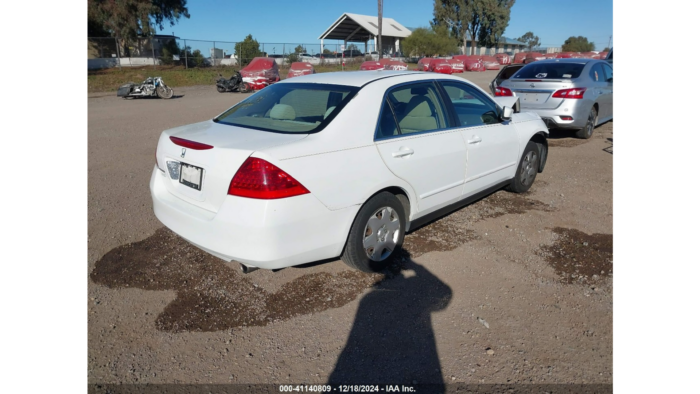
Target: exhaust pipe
column 247, row 269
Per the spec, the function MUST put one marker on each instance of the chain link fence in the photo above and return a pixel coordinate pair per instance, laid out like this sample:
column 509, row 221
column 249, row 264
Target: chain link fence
column 106, row 52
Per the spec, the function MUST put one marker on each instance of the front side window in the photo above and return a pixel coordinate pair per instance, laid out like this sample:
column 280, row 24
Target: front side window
column 290, row 107
column 417, row 108
column 472, row 108
column 608, row 72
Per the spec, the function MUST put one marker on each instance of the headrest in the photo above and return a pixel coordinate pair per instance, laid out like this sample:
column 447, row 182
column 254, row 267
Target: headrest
column 420, row 90
column 419, row 109
column 283, row 112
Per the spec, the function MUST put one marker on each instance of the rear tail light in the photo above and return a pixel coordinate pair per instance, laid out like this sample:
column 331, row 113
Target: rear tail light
column 503, row 92
column 575, row 93
column 190, row 144
column 260, row 179
column 566, row 118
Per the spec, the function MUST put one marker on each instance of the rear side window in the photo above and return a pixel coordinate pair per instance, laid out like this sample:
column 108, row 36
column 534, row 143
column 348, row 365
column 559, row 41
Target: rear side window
column 417, row 108
column 538, row 70
column 290, row 107
column 508, row 72
column 411, row 109
column 597, row 74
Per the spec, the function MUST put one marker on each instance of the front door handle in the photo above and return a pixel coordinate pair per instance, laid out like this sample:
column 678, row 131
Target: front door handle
column 475, row 140
column 403, row 152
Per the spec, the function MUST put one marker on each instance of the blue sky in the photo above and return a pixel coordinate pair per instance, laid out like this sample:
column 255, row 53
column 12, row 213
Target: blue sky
column 275, row 21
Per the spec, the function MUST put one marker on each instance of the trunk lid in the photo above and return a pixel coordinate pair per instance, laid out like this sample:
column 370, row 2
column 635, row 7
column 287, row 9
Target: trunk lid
column 231, row 146
column 537, row 93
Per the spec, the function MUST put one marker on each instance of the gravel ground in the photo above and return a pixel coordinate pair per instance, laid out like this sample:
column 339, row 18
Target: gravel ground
column 511, row 289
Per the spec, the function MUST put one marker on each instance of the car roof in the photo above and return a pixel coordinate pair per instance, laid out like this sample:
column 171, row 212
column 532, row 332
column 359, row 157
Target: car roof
column 357, row 78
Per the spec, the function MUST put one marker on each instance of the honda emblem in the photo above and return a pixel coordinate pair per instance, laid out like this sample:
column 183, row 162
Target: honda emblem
column 183, row 153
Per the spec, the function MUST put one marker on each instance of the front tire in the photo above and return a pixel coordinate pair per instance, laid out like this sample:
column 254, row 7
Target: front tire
column 527, row 169
column 586, row 132
column 164, row 92
column 220, row 89
column 376, row 234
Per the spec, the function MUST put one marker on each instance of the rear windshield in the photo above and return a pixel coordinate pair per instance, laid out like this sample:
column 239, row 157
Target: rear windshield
column 550, row 70
column 290, row 107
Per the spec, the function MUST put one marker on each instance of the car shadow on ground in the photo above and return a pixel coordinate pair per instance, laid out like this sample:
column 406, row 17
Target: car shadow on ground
column 392, row 339
column 556, row 134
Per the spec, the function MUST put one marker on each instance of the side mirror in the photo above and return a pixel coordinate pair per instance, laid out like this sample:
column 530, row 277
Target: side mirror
column 507, row 113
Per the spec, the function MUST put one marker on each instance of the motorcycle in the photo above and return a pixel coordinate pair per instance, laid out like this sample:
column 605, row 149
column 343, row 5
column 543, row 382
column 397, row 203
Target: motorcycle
column 235, row 83
column 151, row 87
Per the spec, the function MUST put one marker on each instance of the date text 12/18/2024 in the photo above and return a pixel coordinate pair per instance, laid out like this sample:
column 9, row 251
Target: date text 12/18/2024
column 347, row 389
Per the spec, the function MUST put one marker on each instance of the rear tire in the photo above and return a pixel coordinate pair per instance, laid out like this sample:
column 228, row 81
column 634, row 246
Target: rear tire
column 376, row 234
column 527, row 169
column 586, row 132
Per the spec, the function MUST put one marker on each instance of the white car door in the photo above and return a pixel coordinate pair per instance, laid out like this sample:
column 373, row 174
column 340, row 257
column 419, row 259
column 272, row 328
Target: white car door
column 492, row 144
column 415, row 145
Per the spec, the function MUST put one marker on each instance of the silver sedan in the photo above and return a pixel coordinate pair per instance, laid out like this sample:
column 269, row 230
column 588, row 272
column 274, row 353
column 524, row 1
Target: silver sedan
column 567, row 93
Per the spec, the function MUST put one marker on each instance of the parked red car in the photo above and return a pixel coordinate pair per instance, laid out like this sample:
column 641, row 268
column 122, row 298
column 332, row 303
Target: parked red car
column 471, row 62
column 372, row 65
column 300, row 68
column 424, row 64
column 440, row 66
column 503, row 58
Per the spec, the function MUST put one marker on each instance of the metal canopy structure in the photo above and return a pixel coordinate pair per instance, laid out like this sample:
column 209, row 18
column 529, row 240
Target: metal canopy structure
column 363, row 28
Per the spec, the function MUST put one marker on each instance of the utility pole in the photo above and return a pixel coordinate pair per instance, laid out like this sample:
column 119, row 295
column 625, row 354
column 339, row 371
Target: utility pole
column 609, row 41
column 379, row 15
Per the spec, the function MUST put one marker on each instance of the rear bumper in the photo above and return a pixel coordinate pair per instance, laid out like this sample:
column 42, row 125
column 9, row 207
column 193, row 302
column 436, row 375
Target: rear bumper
column 267, row 234
column 577, row 109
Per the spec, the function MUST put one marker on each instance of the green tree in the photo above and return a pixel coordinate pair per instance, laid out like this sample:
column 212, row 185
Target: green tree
column 197, row 59
column 247, row 49
column 495, row 15
column 577, row 44
column 482, row 21
column 169, row 49
column 294, row 56
column 606, row 49
column 530, row 39
column 128, row 19
column 435, row 41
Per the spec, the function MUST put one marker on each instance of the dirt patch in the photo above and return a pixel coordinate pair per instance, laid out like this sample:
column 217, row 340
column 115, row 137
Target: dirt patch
column 212, row 296
column 503, row 202
column 442, row 235
column 454, row 229
column 578, row 257
column 566, row 142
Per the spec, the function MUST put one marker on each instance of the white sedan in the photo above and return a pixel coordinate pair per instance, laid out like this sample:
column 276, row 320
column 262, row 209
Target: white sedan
column 340, row 164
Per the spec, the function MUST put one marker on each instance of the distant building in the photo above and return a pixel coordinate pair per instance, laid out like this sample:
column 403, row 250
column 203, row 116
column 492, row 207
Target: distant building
column 505, row 44
column 547, row 50
column 365, row 29
column 216, row 53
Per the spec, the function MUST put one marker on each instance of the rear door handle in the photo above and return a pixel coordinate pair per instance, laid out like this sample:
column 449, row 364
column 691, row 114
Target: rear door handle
column 475, row 140
column 403, row 152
